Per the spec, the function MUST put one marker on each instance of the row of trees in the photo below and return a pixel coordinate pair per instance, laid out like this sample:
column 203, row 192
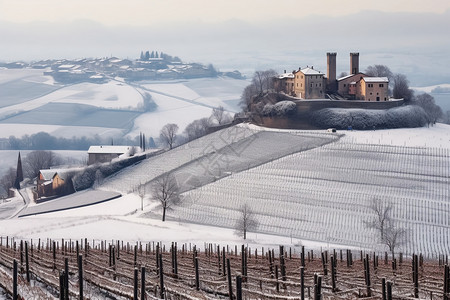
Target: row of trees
column 45, row 141
column 197, row 128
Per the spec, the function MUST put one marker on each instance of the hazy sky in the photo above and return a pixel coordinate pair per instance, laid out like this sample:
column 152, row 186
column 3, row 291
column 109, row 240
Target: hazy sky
column 147, row 12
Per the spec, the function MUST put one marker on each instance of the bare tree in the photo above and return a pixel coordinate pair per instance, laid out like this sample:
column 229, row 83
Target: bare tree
column 142, row 191
column 218, row 114
column 381, row 216
column 264, row 80
column 426, row 101
column 197, row 128
column 390, row 234
column 168, row 134
column 246, row 221
column 166, row 190
column 379, row 71
column 394, row 236
column 39, row 160
column 8, row 180
column 401, row 88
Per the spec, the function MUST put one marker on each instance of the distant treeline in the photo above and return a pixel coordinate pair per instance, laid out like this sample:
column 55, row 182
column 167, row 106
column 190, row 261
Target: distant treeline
column 45, row 141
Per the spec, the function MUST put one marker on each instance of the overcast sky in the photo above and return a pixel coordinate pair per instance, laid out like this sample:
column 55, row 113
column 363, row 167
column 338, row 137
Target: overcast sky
column 147, row 12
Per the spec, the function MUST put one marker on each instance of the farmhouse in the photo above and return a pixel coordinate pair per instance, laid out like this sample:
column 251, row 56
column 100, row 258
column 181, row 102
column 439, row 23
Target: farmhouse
column 101, row 154
column 308, row 83
column 52, row 182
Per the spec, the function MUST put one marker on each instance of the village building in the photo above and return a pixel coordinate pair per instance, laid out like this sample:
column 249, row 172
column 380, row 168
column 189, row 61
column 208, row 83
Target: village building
column 52, row 182
column 102, row 154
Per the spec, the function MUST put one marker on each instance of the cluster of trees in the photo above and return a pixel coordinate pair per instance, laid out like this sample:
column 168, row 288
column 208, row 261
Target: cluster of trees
column 262, row 83
column 154, row 54
column 169, row 133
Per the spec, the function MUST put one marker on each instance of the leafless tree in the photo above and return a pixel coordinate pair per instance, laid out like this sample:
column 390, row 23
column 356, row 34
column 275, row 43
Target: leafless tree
column 394, row 236
column 247, row 97
column 264, row 80
column 142, row 191
column 220, row 115
column 390, row 234
column 39, row 160
column 379, row 71
column 7, row 181
column 343, row 74
column 381, row 216
column 165, row 189
column 197, row 128
column 426, row 101
column 246, row 221
column 168, row 134
column 401, row 88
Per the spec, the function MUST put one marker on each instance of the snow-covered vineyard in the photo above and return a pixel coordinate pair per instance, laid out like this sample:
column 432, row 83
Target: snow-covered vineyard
column 324, row 194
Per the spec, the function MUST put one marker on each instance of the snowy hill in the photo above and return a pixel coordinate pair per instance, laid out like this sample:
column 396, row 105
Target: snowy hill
column 312, row 187
column 31, row 102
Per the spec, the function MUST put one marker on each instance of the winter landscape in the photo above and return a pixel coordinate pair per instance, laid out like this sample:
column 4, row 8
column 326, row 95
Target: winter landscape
column 196, row 151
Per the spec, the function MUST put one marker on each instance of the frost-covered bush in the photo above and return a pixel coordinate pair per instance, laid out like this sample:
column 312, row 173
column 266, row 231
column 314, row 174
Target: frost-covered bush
column 85, row 179
column 365, row 119
column 282, row 108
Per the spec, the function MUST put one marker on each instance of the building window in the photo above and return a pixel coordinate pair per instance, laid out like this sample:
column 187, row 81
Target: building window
column 381, row 85
column 312, row 85
column 297, row 84
column 345, row 85
column 370, row 85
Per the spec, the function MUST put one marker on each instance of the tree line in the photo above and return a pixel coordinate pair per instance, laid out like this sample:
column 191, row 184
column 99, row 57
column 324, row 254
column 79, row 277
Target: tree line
column 45, row 141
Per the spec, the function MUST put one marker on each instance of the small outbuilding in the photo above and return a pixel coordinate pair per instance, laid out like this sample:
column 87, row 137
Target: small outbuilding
column 102, row 154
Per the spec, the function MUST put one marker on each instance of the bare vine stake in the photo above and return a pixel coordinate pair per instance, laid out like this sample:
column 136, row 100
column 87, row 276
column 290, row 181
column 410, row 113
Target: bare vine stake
column 143, row 296
column 416, row 276
column 230, row 286
column 27, row 265
column 324, row 264
column 80, row 275
column 383, row 288
column 303, row 256
column 21, row 256
column 135, row 286
column 367, row 273
column 15, row 280
column 302, row 283
column 276, row 278
column 389, row 290
column 238, row 287
column 446, row 282
column 333, row 273
column 62, row 275
column 66, row 278
column 223, row 261
column 161, row 277
column 197, row 276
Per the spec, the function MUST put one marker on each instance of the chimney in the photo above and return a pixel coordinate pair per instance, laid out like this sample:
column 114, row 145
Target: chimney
column 354, row 63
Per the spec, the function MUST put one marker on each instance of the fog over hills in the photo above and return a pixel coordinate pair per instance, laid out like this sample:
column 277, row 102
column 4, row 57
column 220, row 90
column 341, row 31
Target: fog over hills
column 412, row 43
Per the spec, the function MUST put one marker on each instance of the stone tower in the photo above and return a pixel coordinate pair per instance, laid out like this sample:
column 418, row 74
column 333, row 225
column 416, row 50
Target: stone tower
column 354, row 63
column 331, row 72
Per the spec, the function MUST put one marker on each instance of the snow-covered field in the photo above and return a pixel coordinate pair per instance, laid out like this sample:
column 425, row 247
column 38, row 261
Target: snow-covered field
column 110, row 109
column 316, row 197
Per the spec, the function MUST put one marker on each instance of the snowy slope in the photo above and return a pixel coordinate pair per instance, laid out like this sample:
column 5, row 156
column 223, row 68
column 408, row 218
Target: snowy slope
column 28, row 97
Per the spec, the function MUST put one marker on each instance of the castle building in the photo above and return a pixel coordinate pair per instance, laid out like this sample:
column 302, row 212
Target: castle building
column 308, row 83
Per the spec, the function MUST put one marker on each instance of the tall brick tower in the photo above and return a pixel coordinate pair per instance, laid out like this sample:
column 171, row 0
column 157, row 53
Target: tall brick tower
column 354, row 63
column 331, row 72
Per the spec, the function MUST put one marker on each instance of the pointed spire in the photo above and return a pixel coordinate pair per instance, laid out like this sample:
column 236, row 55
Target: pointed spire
column 19, row 173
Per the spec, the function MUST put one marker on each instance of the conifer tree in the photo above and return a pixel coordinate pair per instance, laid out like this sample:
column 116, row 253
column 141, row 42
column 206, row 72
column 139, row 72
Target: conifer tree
column 19, row 173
